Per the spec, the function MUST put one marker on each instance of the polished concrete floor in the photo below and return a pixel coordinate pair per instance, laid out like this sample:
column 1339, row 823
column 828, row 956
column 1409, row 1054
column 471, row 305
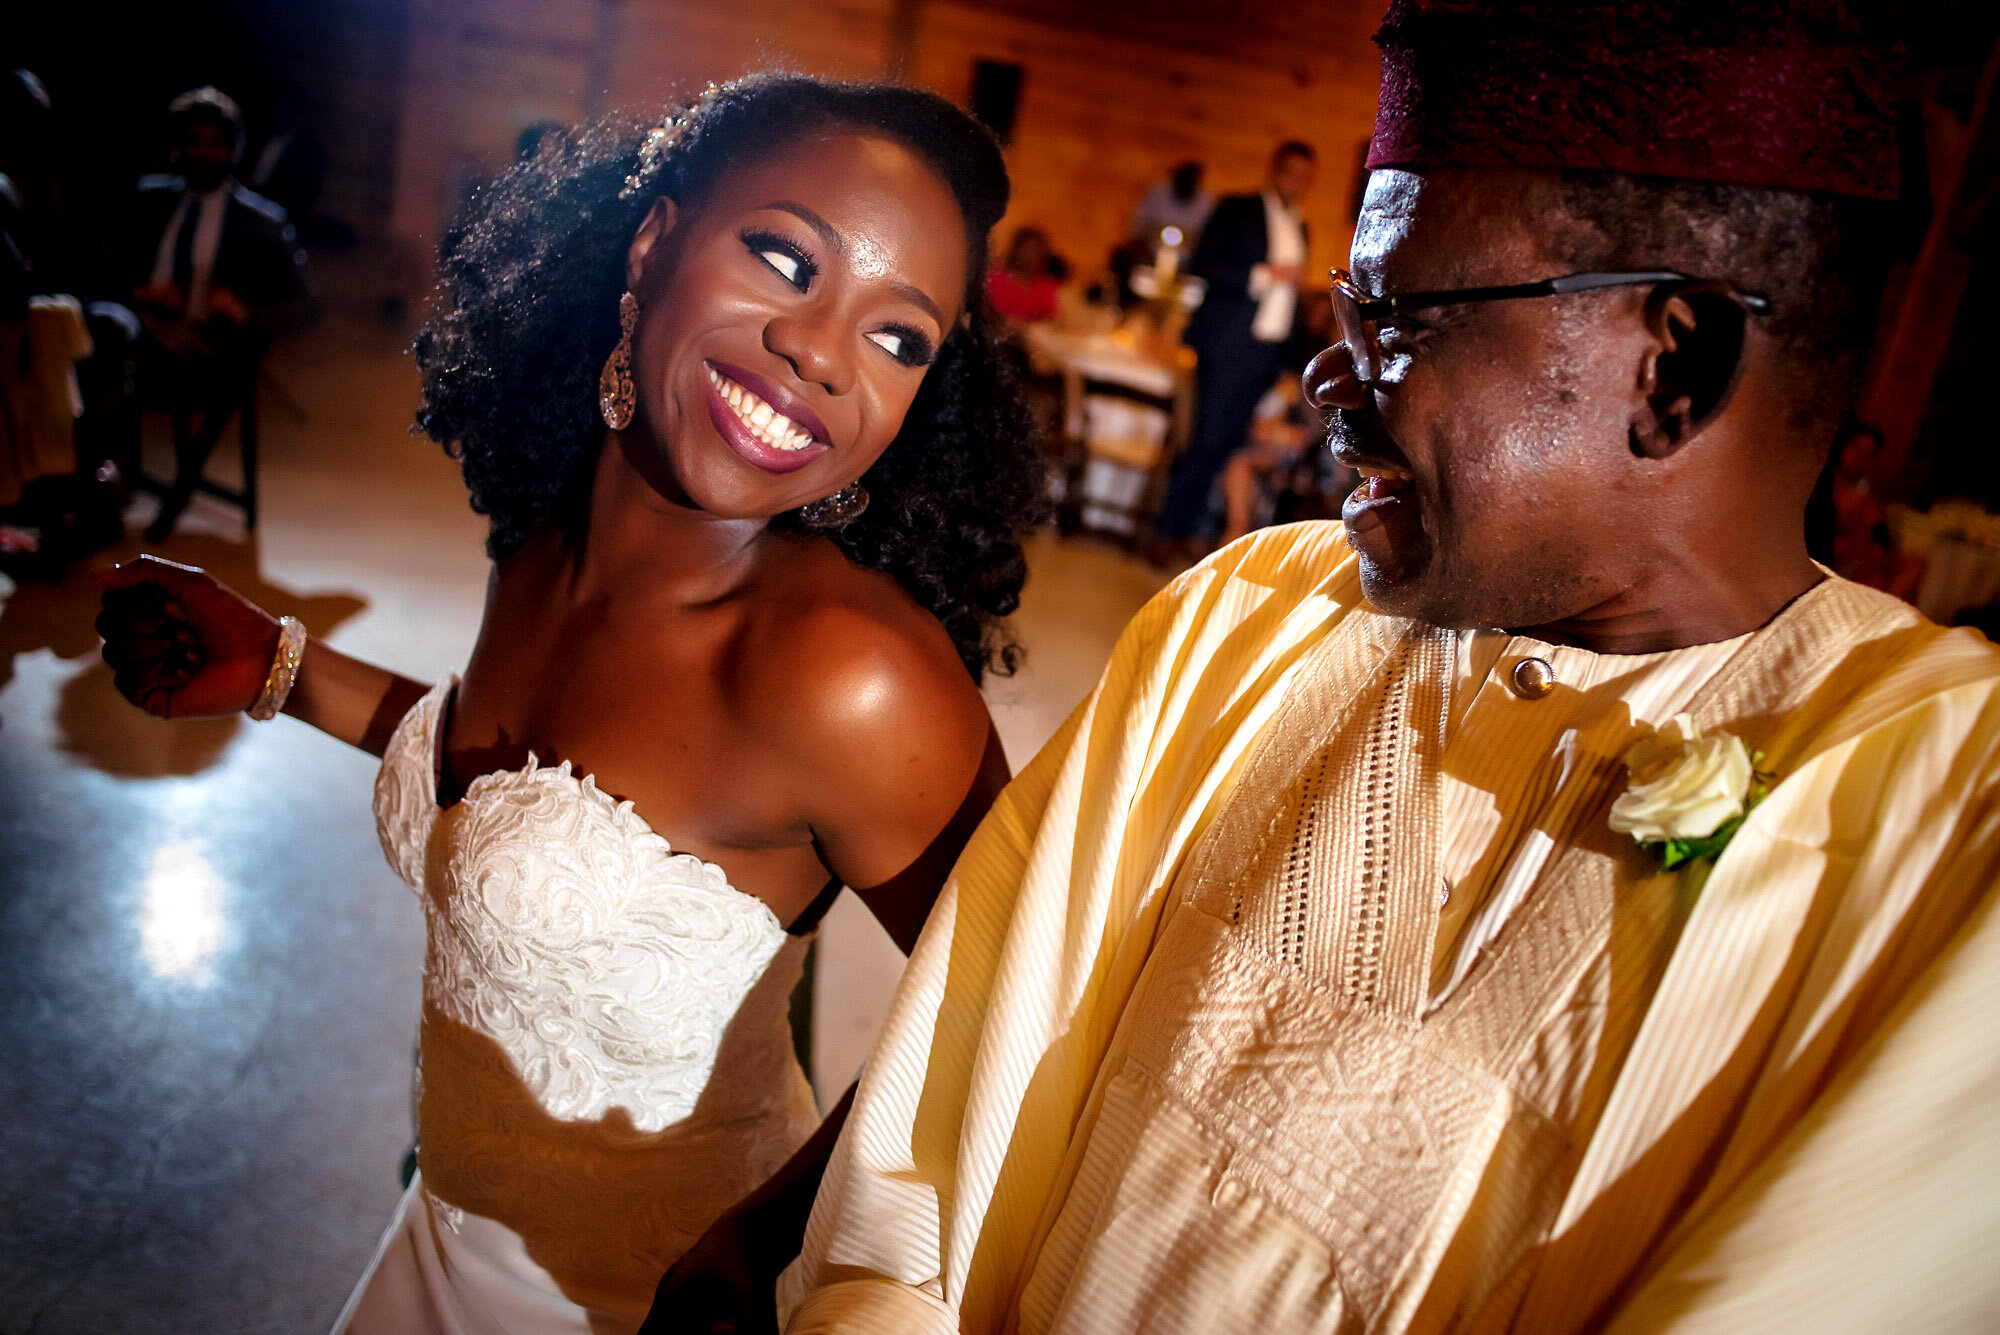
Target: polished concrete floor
column 208, row 977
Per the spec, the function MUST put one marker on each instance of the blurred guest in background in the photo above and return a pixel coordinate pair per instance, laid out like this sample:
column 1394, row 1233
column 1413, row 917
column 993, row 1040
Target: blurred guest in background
column 1251, row 256
column 40, row 340
column 1862, row 547
column 1286, row 473
column 1283, row 429
column 27, row 162
column 65, row 364
column 1024, row 289
column 1312, row 331
column 1178, row 202
column 214, row 270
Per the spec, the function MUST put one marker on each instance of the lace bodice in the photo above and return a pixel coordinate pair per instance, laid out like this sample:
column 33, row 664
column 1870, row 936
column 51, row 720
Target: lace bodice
column 604, row 1018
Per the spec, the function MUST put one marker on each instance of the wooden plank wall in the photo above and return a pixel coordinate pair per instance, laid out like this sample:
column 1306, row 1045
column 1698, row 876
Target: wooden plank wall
column 1113, row 92
column 1106, row 109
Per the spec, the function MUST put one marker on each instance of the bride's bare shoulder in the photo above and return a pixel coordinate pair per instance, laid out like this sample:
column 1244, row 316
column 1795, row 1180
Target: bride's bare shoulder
column 849, row 652
column 879, row 721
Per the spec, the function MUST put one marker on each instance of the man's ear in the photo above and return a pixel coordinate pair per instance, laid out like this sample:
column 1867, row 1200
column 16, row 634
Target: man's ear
column 1690, row 368
column 654, row 228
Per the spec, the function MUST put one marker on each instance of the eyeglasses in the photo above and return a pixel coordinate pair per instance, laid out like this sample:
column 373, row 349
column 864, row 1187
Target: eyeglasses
column 1355, row 311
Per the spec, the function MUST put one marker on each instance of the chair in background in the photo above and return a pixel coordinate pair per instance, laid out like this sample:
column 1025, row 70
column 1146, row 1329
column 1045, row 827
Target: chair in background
column 1127, row 399
column 194, row 445
column 1124, row 434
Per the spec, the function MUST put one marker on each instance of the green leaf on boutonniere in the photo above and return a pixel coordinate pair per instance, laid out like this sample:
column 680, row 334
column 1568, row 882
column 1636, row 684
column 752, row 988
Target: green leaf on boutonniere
column 1675, row 852
column 1679, row 852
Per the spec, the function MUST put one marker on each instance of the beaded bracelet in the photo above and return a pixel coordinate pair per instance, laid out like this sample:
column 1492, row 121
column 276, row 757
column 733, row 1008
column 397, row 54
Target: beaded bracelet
column 284, row 670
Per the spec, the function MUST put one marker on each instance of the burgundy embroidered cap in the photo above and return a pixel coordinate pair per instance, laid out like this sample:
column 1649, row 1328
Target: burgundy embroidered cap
column 1744, row 92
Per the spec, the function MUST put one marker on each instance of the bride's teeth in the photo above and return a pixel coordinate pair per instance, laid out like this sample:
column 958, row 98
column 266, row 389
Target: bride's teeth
column 781, row 434
column 767, row 423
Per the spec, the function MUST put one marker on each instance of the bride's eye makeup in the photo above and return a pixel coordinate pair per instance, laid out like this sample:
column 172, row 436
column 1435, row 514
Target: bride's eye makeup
column 905, row 344
column 793, row 263
column 782, row 256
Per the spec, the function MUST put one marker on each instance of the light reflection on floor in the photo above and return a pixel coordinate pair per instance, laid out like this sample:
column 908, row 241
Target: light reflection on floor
column 209, row 979
column 182, row 925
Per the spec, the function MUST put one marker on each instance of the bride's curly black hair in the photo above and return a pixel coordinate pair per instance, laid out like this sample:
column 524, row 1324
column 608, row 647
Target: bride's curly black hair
column 527, row 311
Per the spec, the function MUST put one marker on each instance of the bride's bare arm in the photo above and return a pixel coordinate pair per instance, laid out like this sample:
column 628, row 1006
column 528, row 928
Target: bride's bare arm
column 181, row 644
column 725, row 1281
column 344, row 697
column 897, row 762
column 897, row 759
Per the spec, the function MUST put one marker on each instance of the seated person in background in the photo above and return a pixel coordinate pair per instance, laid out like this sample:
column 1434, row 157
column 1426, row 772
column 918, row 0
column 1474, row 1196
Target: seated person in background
column 1278, row 477
column 62, row 362
column 1024, row 289
column 15, row 282
column 213, row 271
column 1863, row 550
column 1286, row 473
column 1280, row 434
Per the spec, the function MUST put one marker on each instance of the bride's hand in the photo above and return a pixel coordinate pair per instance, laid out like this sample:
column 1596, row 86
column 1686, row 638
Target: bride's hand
column 180, row 643
column 716, row 1288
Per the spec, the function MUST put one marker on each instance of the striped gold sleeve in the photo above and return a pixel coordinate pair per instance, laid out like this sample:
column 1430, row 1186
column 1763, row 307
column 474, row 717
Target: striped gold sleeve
column 968, row 1105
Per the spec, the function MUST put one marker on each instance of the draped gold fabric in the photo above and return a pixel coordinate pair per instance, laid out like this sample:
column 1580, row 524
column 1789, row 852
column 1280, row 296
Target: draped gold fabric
column 1175, row 1052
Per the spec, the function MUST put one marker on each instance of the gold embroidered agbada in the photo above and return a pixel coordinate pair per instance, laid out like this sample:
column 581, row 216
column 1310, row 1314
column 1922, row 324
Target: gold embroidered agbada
column 1300, row 984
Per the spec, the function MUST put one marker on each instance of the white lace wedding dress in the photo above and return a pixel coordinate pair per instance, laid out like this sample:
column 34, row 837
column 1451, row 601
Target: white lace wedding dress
column 607, row 1062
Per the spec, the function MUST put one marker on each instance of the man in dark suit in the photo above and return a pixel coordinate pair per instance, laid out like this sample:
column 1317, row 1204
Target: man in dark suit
column 213, row 271
column 1251, row 255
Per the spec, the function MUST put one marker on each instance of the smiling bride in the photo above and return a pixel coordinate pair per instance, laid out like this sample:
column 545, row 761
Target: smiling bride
column 757, row 478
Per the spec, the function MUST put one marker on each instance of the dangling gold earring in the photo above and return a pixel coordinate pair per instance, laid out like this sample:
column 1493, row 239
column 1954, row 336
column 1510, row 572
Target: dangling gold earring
column 615, row 393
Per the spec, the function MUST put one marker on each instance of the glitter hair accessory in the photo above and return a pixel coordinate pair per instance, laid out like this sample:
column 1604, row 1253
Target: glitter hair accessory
column 663, row 138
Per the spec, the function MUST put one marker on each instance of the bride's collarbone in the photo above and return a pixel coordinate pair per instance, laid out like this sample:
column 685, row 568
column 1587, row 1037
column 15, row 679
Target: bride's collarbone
column 675, row 765
column 713, row 722
column 650, row 720
column 738, row 695
column 702, row 781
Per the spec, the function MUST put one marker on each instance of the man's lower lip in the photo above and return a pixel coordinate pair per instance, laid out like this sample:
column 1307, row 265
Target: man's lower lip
column 739, row 438
column 1359, row 502
column 1368, row 518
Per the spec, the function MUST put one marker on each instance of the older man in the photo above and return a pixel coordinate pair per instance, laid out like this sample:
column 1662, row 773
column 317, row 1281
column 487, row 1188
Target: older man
column 1331, row 970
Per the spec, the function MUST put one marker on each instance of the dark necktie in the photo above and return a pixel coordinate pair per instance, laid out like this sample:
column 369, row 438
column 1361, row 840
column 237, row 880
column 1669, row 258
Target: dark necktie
column 184, row 244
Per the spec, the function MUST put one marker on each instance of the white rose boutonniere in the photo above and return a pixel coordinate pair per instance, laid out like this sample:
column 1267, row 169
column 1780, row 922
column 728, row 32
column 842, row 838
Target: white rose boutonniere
column 1688, row 793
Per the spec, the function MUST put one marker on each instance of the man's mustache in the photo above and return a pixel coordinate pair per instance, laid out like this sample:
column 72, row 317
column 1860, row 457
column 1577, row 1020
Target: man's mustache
column 1360, row 433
